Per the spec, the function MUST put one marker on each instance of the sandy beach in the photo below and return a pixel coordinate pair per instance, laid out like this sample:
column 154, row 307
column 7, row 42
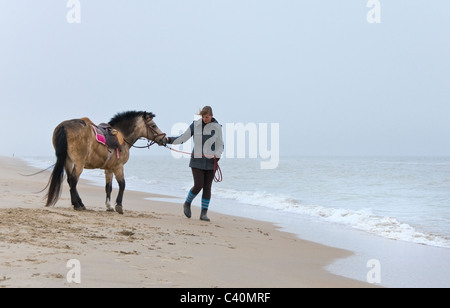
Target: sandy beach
column 152, row 245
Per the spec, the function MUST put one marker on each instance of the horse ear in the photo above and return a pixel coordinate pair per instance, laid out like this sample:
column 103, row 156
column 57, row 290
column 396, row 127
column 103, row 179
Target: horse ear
column 148, row 116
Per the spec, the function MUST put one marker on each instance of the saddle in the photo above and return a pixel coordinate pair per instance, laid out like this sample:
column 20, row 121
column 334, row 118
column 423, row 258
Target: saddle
column 107, row 135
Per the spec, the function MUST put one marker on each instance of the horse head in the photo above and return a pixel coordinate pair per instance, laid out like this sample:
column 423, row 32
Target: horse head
column 153, row 131
column 138, row 124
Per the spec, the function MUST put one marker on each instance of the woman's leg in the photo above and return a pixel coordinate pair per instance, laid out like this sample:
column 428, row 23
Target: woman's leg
column 208, row 178
column 199, row 177
column 199, row 180
column 206, row 196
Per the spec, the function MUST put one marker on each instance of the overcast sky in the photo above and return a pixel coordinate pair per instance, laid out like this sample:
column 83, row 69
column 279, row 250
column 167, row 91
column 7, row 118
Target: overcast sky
column 335, row 83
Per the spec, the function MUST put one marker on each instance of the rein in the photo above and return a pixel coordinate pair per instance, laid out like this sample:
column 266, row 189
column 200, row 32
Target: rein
column 149, row 144
column 218, row 177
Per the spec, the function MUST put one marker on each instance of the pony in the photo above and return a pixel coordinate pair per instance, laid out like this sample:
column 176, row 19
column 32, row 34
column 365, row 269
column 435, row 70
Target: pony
column 79, row 145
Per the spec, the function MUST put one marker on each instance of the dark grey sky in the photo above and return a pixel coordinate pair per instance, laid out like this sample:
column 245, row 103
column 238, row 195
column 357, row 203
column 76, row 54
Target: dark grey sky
column 336, row 84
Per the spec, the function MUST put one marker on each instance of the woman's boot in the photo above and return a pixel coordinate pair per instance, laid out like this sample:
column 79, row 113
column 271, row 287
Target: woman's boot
column 187, row 209
column 203, row 215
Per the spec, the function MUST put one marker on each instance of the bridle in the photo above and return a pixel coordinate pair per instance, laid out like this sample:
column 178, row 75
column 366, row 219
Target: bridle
column 151, row 141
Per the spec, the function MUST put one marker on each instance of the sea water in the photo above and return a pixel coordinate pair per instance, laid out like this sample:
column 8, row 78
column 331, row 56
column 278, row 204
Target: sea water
column 394, row 210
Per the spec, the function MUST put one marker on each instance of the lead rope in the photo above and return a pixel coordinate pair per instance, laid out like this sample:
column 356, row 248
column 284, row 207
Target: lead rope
column 218, row 177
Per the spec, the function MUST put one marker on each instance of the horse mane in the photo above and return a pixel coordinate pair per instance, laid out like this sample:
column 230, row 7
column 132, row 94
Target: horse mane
column 129, row 116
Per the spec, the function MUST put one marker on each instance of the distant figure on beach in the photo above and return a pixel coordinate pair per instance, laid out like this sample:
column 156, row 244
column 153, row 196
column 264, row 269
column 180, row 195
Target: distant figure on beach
column 208, row 148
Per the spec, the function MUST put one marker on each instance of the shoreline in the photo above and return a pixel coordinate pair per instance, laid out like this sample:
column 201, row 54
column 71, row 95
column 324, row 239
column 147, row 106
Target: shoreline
column 151, row 245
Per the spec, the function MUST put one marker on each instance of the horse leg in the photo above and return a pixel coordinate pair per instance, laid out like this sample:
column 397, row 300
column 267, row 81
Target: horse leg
column 109, row 178
column 72, row 183
column 72, row 179
column 121, row 181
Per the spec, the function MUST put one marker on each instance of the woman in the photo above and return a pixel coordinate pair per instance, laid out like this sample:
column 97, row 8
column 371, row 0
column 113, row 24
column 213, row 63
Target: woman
column 208, row 147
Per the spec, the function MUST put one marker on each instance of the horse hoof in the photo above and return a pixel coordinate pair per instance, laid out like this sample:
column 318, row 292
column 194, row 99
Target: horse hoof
column 79, row 208
column 119, row 209
column 110, row 209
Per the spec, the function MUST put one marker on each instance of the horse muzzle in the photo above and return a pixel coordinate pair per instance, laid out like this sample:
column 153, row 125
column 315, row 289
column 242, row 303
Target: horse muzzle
column 161, row 141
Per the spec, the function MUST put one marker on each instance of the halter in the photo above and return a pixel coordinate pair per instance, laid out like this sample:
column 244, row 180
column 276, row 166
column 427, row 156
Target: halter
column 151, row 141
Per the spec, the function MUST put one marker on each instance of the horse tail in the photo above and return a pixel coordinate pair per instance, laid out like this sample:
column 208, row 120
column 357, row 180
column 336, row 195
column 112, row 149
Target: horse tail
column 57, row 176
